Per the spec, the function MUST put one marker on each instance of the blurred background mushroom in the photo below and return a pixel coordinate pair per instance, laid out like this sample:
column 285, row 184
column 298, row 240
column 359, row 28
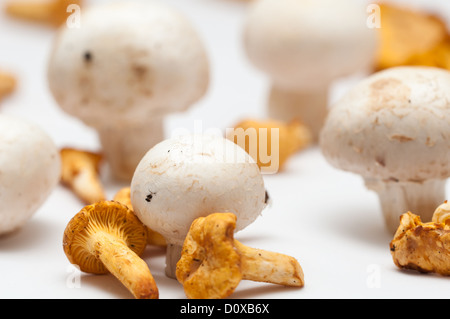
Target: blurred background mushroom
column 411, row 36
column 30, row 170
column 299, row 202
column 130, row 65
column 47, row 12
column 304, row 46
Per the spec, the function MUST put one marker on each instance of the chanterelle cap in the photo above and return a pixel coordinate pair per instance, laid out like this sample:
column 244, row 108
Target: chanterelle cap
column 128, row 61
column 395, row 125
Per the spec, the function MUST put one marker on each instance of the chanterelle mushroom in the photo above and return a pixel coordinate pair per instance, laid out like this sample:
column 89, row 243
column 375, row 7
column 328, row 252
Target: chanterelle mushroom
column 424, row 247
column 128, row 66
column 190, row 176
column 30, row 170
column 393, row 130
column 80, row 172
column 124, row 196
column 107, row 236
column 304, row 45
column 213, row 263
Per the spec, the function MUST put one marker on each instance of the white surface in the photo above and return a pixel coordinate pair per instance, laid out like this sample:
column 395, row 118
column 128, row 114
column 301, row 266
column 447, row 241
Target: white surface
column 323, row 217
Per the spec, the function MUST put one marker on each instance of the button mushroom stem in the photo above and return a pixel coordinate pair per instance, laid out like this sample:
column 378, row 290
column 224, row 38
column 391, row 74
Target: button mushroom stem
column 125, row 145
column 399, row 197
column 311, row 107
column 107, row 236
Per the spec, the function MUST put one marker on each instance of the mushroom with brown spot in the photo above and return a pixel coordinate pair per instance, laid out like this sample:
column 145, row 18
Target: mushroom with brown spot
column 128, row 66
column 107, row 237
column 393, row 129
column 304, row 46
column 213, row 263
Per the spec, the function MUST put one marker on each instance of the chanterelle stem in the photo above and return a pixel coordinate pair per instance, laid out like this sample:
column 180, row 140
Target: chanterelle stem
column 310, row 107
column 398, row 197
column 124, row 264
column 266, row 266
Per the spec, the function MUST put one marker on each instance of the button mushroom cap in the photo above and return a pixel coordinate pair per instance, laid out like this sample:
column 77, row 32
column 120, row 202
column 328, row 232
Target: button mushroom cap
column 393, row 130
column 128, row 66
column 304, row 45
column 191, row 176
column 30, row 170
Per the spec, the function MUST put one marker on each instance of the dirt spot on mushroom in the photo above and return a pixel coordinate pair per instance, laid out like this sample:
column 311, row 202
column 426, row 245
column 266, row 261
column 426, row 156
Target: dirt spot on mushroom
column 389, row 93
column 87, row 57
column 139, row 70
column 149, row 197
column 401, row 138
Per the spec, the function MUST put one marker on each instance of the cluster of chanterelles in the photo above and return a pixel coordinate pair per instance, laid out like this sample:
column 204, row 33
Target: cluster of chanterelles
column 177, row 200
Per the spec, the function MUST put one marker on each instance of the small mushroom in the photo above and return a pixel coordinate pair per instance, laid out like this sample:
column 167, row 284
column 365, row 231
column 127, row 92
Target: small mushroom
column 304, row 46
column 80, row 172
column 153, row 238
column 213, row 263
column 270, row 142
column 29, row 170
column 190, row 176
column 424, row 247
column 393, row 130
column 107, row 237
column 128, row 66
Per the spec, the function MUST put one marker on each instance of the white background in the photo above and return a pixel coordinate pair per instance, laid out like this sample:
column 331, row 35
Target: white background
column 325, row 218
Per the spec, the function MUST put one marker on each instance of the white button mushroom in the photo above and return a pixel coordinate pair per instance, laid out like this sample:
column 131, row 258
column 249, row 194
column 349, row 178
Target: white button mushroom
column 304, row 45
column 191, row 176
column 123, row 71
column 29, row 170
column 393, row 129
